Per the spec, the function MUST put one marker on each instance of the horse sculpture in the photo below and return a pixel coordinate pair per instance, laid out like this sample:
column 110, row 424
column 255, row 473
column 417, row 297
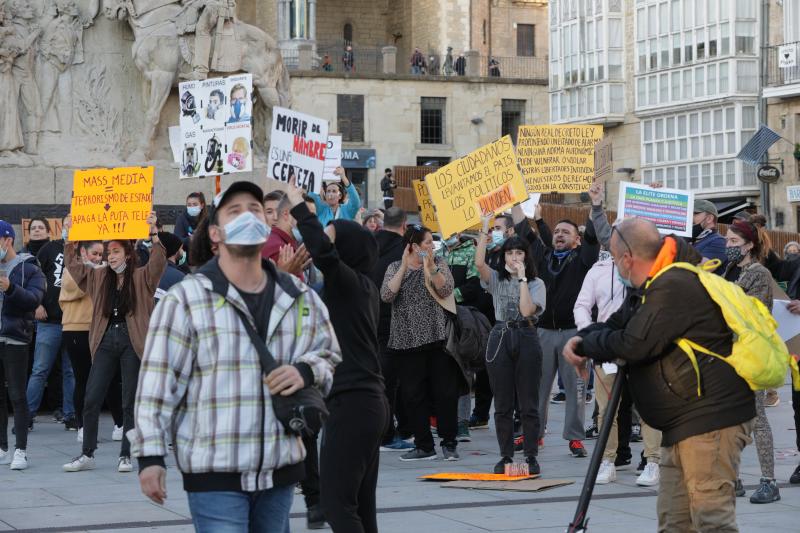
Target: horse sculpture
column 163, row 53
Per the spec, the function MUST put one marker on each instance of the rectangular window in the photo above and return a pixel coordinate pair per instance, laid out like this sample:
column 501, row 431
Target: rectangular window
column 688, row 11
column 350, row 117
column 681, row 177
column 711, row 84
column 706, row 169
column 652, row 85
column 724, row 39
column 513, row 114
column 676, row 86
column 700, row 12
column 663, row 84
column 748, row 117
column 525, row 34
column 676, row 49
column 641, row 91
column 640, row 24
column 687, row 84
column 745, row 38
column 699, row 85
column 723, row 78
column 432, row 115
column 730, row 173
column 747, row 79
column 694, row 177
column 676, row 16
column 670, row 180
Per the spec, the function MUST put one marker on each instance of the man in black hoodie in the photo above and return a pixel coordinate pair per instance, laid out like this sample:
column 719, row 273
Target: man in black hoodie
column 390, row 249
column 705, row 416
column 346, row 253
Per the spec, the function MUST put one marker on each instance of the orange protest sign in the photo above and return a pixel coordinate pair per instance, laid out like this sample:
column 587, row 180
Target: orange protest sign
column 427, row 215
column 111, row 203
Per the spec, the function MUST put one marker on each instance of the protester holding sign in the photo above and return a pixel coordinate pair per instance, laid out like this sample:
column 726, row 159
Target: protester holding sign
column 22, row 288
column 746, row 254
column 417, row 286
column 122, row 300
column 513, row 354
column 341, row 200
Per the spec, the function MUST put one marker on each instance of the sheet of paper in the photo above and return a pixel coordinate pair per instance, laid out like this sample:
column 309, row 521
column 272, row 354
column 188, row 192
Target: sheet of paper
column 529, row 205
column 788, row 323
column 609, row 368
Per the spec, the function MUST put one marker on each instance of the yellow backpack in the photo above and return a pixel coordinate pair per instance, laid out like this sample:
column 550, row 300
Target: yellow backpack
column 759, row 355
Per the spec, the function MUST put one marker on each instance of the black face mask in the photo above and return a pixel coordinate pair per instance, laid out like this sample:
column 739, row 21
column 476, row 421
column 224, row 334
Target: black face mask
column 697, row 229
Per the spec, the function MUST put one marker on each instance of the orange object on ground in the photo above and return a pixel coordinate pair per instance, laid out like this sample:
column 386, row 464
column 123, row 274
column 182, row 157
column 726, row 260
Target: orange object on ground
column 472, row 476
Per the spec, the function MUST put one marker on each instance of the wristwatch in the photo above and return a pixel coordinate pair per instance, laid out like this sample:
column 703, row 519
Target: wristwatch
column 521, row 280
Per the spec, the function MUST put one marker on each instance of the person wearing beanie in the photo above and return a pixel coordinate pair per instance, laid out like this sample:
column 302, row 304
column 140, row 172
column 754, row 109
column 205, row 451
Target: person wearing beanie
column 176, row 258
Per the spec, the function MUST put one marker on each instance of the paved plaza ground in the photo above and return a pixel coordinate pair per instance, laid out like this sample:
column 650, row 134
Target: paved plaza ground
column 43, row 498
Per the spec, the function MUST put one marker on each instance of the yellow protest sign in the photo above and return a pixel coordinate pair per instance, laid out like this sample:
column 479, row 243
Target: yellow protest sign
column 558, row 158
column 111, row 203
column 427, row 215
column 488, row 177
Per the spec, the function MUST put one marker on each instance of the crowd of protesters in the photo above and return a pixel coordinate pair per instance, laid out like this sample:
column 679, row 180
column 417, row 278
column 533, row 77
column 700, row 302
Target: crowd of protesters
column 199, row 339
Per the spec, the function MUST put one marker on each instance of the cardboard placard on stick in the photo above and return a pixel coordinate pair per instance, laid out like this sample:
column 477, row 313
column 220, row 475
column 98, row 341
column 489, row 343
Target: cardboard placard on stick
column 297, row 148
column 427, row 215
column 671, row 210
column 111, row 203
column 558, row 158
column 489, row 175
column 333, row 158
column 603, row 160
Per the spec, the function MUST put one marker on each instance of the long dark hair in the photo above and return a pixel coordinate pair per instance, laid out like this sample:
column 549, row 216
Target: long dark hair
column 199, row 196
column 517, row 243
column 127, row 302
column 752, row 233
column 414, row 234
column 201, row 249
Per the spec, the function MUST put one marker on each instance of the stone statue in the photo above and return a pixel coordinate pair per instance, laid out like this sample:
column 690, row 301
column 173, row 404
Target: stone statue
column 61, row 46
column 27, row 33
column 11, row 140
column 447, row 69
column 210, row 15
column 162, row 54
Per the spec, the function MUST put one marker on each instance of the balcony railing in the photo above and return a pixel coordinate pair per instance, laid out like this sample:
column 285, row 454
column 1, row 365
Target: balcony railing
column 776, row 75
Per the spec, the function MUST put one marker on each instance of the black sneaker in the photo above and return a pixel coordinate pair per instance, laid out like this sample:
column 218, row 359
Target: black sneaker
column 795, row 479
column 449, row 453
column 642, row 464
column 533, row 466
column 767, row 492
column 559, row 398
column 315, row 519
column 592, row 432
column 739, row 488
column 500, row 467
column 58, row 416
column 478, row 423
column 623, row 459
column 70, row 424
column 418, row 454
column 636, row 433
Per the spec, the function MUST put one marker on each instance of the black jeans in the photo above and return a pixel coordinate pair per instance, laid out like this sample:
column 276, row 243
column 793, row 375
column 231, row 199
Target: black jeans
column 430, row 382
column 310, row 483
column 14, row 370
column 483, row 395
column 349, row 460
column 388, row 202
column 514, row 364
column 624, row 423
column 77, row 345
column 393, row 393
column 796, row 408
column 115, row 350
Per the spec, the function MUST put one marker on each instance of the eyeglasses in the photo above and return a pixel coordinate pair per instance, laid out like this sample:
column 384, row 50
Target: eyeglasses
column 622, row 238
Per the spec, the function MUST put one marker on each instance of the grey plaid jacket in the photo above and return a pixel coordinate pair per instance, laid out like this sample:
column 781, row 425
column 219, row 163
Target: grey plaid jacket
column 201, row 379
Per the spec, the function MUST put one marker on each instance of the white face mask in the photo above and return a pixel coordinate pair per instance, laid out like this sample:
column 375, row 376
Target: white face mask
column 246, row 229
column 120, row 269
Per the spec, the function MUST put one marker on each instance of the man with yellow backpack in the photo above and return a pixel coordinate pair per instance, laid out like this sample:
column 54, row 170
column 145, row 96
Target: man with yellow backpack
column 685, row 353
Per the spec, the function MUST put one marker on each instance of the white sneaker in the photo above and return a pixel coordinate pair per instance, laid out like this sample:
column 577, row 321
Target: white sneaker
column 20, row 461
column 606, row 474
column 80, row 463
column 124, row 465
column 650, row 477
column 117, row 433
column 80, row 435
column 5, row 457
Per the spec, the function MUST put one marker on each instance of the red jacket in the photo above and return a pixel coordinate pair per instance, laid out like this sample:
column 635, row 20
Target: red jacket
column 272, row 248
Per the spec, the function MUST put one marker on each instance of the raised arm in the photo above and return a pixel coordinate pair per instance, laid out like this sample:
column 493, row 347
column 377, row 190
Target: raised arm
column 157, row 262
column 77, row 269
column 484, row 270
column 353, row 203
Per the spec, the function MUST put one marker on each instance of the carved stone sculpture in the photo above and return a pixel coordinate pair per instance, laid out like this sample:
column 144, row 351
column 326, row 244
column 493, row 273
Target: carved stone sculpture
column 162, row 51
column 26, row 34
column 11, row 140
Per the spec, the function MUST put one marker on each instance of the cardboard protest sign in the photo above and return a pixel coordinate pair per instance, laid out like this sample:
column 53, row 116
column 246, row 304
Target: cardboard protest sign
column 333, row 158
column 111, row 203
column 297, row 148
column 427, row 215
column 487, row 178
column 558, row 158
column 603, row 164
column 671, row 210
column 216, row 131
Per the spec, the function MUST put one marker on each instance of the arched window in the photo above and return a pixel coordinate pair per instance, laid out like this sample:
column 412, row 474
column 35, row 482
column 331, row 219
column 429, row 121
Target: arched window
column 348, row 34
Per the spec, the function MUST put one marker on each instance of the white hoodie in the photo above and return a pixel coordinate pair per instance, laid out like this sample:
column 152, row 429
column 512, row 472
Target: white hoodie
column 600, row 288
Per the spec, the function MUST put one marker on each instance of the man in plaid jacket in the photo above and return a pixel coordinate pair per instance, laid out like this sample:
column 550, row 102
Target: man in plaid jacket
column 201, row 383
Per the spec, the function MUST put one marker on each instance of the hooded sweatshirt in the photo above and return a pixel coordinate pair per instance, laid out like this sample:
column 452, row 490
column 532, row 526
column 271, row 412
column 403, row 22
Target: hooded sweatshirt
column 350, row 295
column 51, row 259
column 390, row 249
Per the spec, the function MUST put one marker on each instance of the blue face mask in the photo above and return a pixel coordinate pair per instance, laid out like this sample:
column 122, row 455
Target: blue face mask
column 193, row 211
column 297, row 235
column 64, row 234
column 625, row 281
column 452, row 241
column 246, row 230
column 182, row 260
column 3, row 252
column 237, row 108
column 498, row 238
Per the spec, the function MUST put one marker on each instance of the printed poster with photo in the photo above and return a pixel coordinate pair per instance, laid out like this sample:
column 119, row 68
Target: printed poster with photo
column 216, row 130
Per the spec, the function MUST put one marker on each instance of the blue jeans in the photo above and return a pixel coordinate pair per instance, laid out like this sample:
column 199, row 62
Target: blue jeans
column 265, row 511
column 48, row 348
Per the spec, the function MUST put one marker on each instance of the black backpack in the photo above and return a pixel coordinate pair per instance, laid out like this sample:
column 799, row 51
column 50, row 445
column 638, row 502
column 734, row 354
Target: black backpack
column 471, row 335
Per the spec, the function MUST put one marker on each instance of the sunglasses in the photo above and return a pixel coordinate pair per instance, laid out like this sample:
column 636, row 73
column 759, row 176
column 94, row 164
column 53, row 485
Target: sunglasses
column 616, row 230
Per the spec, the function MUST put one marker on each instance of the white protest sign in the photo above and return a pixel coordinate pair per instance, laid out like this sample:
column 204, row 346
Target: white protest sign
column 297, row 148
column 788, row 323
column 333, row 158
column 787, row 56
column 529, row 205
column 671, row 210
column 216, row 131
